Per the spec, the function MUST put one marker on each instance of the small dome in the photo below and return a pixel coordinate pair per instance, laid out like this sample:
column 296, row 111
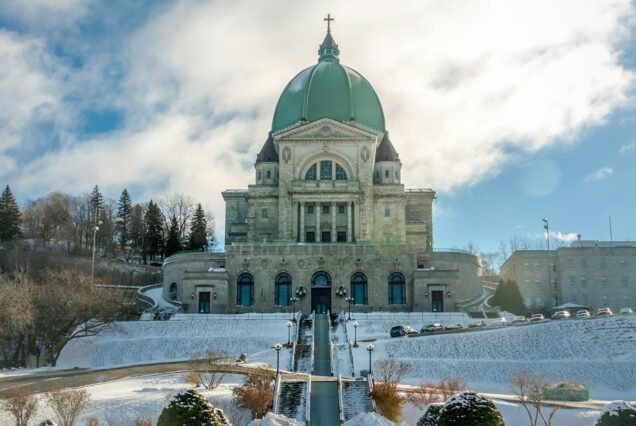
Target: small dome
column 268, row 152
column 328, row 90
column 386, row 151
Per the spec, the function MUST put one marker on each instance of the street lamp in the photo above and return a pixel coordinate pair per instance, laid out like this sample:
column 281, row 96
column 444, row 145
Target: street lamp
column 289, row 324
column 350, row 300
column 355, row 334
column 277, row 347
column 293, row 300
column 95, row 229
column 370, row 348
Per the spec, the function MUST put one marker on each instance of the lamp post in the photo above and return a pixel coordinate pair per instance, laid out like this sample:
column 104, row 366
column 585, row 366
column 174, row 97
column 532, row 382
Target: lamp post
column 546, row 226
column 350, row 300
column 355, row 334
column 289, row 324
column 277, row 347
column 370, row 348
column 293, row 300
column 95, row 229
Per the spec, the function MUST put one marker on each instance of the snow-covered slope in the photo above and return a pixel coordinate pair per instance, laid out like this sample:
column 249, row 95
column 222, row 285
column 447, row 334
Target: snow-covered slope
column 599, row 352
column 141, row 342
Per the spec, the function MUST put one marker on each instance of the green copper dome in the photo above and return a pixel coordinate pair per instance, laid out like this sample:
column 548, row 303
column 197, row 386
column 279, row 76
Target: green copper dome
column 328, row 90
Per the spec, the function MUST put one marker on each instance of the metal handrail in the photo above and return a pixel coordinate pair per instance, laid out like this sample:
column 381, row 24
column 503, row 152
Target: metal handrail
column 349, row 347
column 340, row 400
column 330, row 342
column 308, row 404
column 370, row 383
column 313, row 339
column 277, row 386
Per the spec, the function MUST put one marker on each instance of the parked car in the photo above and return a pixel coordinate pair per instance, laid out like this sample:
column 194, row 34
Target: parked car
column 626, row 311
column 604, row 312
column 583, row 314
column 537, row 317
column 431, row 328
column 477, row 324
column 453, row 327
column 402, row 330
column 519, row 320
column 561, row 315
column 502, row 322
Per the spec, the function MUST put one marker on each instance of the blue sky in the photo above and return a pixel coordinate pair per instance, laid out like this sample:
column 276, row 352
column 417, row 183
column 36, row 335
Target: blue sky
column 512, row 110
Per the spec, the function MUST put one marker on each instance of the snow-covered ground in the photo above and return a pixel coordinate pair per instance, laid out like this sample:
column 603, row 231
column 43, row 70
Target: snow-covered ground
column 144, row 342
column 601, row 354
column 122, row 401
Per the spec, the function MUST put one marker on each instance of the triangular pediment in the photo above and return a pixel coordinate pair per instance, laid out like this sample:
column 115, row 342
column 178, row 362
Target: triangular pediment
column 327, row 129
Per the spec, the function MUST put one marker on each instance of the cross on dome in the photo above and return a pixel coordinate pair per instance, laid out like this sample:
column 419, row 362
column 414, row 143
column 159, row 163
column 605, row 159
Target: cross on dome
column 328, row 19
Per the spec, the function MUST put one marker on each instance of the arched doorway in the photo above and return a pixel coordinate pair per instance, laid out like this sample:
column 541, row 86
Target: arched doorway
column 321, row 292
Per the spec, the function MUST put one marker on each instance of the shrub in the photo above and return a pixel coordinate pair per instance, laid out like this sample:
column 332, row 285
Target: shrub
column 617, row 413
column 190, row 408
column 67, row 404
column 431, row 415
column 469, row 409
column 257, row 392
column 21, row 403
column 207, row 370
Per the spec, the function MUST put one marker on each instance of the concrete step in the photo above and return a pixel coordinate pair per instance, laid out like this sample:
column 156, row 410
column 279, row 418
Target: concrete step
column 292, row 400
column 355, row 398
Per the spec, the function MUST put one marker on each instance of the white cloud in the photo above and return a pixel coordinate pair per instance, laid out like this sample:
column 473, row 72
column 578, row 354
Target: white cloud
column 464, row 87
column 599, row 174
column 44, row 13
column 565, row 237
column 627, row 147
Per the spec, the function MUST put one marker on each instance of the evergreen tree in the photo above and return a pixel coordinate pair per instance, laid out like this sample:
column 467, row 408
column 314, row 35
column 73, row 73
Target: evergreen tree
column 153, row 232
column 9, row 217
column 198, row 230
column 617, row 413
column 137, row 229
column 431, row 415
column 508, row 298
column 469, row 409
column 190, row 408
column 96, row 202
column 124, row 219
column 173, row 244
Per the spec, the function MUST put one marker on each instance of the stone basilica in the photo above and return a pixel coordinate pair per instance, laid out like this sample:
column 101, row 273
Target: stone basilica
column 327, row 222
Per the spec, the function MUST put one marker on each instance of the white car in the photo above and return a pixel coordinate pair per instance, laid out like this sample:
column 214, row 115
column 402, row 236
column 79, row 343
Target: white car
column 626, row 311
column 500, row 323
column 583, row 314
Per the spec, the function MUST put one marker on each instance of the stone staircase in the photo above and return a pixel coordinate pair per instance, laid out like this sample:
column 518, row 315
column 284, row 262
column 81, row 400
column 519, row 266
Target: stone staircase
column 293, row 399
column 302, row 354
column 355, row 398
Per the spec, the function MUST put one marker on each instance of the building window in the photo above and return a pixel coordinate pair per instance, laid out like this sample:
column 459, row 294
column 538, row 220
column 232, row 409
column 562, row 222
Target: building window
column 268, row 174
column 310, row 237
column 340, row 173
column 625, row 281
column 258, row 176
column 311, row 173
column 604, row 300
column 264, row 213
column 584, row 298
column 377, row 174
column 387, row 212
column 321, row 279
column 359, row 288
column 342, row 236
column 386, row 174
column 583, row 263
column 397, row 289
column 537, row 283
column 245, row 290
column 602, row 264
column 583, row 281
column 325, row 237
column 571, row 263
column 572, row 281
column 538, row 301
column 623, row 263
column 553, row 265
column 387, row 239
column 310, row 209
column 325, row 209
column 325, row 170
column 173, row 291
column 526, row 266
column 603, row 282
column 341, row 209
column 282, row 289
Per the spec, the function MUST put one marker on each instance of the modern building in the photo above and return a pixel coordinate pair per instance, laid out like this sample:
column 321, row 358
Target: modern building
column 327, row 221
column 590, row 273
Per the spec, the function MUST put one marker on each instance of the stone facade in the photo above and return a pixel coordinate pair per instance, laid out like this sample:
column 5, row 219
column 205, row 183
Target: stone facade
column 589, row 273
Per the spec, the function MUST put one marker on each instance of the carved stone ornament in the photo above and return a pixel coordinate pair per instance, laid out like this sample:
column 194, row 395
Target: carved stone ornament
column 325, row 131
column 286, row 154
column 364, row 154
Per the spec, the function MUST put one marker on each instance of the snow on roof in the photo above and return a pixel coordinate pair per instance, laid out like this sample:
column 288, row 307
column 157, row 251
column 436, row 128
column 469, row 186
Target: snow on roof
column 272, row 419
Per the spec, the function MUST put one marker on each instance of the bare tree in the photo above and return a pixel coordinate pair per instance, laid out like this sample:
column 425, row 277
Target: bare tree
column 207, row 370
column 389, row 371
column 529, row 388
column 471, row 248
column 21, row 404
column 143, row 421
column 257, row 392
column 503, row 250
column 449, row 386
column 17, row 315
column 67, row 404
column 180, row 207
column 429, row 393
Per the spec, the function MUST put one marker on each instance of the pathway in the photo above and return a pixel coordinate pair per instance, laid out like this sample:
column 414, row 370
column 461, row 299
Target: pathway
column 324, row 394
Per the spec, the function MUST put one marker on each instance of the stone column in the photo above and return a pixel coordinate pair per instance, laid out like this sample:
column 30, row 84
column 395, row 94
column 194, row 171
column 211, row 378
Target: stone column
column 302, row 222
column 348, row 221
column 333, row 222
column 318, row 236
column 356, row 220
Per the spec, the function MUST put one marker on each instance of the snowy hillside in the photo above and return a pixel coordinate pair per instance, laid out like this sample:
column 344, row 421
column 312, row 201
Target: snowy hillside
column 595, row 352
column 142, row 342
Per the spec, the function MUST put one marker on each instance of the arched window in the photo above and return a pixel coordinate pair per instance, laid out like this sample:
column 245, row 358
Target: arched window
column 311, row 173
column 321, row 279
column 397, row 289
column 359, row 289
column 325, row 170
column 341, row 174
column 282, row 289
column 245, row 290
column 173, row 291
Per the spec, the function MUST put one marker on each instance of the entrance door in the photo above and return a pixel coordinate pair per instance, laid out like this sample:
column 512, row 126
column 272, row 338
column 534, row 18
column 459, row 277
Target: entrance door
column 204, row 302
column 321, row 300
column 437, row 298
